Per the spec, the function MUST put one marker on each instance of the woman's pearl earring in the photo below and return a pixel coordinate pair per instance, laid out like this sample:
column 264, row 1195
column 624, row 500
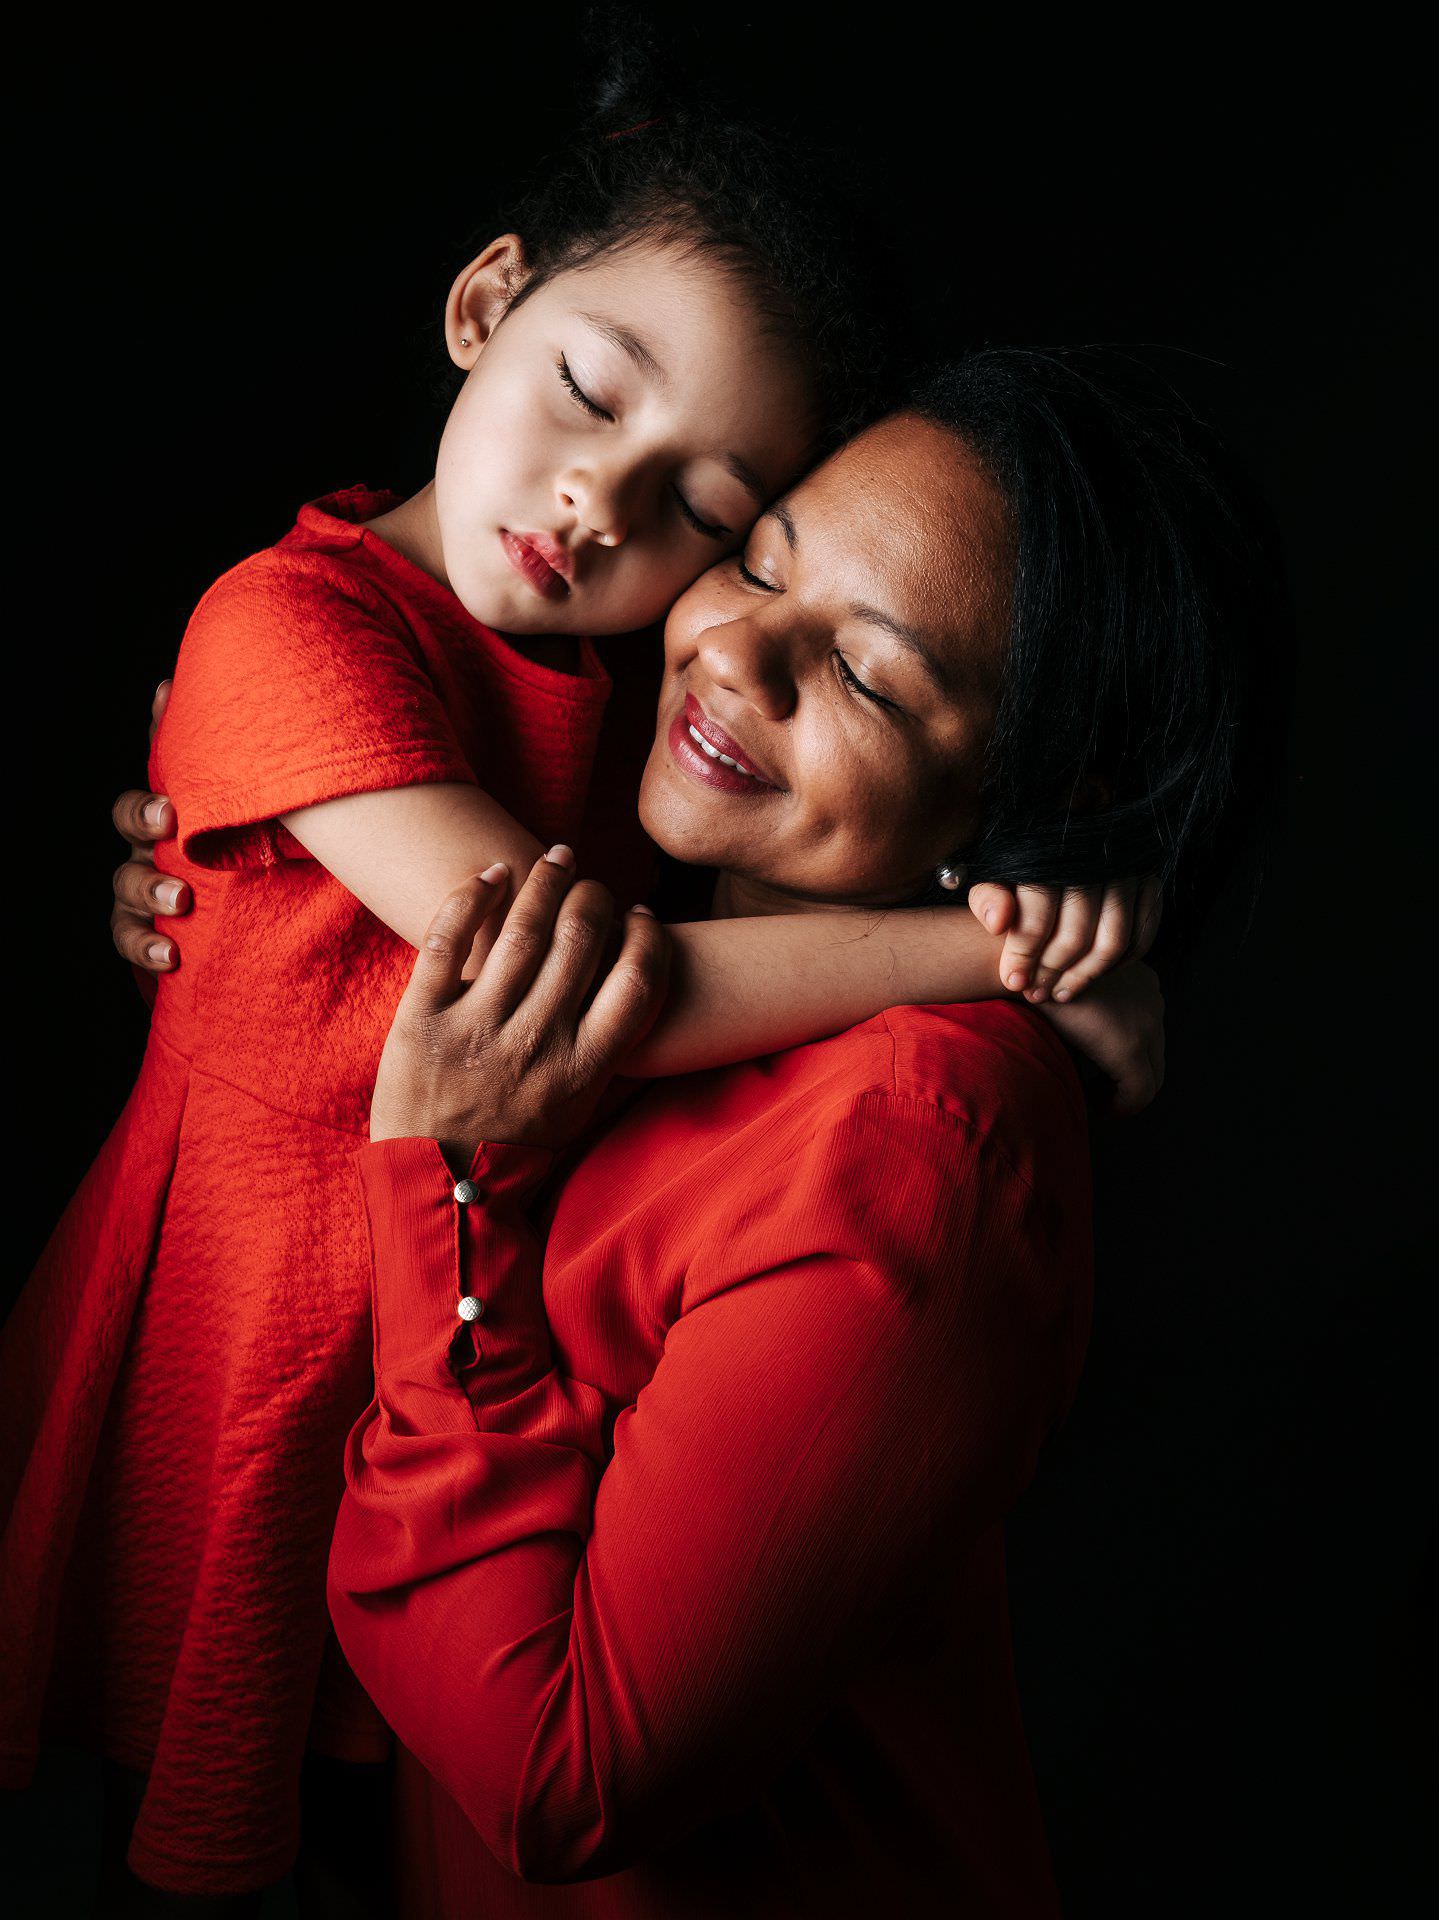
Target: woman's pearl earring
column 951, row 878
column 464, row 339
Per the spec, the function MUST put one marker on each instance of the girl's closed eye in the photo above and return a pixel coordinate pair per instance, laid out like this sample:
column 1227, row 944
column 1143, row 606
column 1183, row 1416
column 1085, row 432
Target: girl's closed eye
column 708, row 528
column 753, row 579
column 592, row 407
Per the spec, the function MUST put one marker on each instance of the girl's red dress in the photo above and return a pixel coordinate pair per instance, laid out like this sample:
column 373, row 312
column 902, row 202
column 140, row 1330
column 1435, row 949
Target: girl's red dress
column 178, row 1378
column 679, row 1572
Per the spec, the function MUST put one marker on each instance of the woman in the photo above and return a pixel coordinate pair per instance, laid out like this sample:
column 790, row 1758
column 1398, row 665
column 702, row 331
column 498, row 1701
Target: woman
column 677, row 1567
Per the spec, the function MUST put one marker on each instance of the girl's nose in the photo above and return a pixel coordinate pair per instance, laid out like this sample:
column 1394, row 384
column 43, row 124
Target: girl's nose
column 752, row 663
column 596, row 507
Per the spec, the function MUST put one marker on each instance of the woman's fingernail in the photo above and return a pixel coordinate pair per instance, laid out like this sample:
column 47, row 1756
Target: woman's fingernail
column 560, row 856
column 1061, row 993
column 168, row 894
column 155, row 812
column 495, row 873
column 159, row 952
column 991, row 915
column 1016, row 980
column 648, row 912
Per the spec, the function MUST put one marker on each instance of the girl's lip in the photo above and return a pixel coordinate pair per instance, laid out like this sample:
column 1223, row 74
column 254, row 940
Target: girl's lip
column 696, row 717
column 538, row 561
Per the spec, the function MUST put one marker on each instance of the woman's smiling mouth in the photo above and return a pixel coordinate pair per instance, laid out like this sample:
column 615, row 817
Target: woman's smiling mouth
column 706, row 752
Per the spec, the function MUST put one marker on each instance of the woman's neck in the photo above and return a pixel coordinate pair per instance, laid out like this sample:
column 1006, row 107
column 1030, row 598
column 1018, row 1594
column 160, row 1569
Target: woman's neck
column 738, row 897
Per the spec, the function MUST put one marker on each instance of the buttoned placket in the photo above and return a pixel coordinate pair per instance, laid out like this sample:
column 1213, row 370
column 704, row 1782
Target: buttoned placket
column 470, row 1307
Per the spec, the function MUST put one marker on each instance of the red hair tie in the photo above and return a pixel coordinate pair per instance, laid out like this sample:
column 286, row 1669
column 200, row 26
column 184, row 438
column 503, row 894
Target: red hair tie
column 639, row 127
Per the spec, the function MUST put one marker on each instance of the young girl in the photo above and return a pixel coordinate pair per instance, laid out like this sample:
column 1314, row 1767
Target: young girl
column 668, row 344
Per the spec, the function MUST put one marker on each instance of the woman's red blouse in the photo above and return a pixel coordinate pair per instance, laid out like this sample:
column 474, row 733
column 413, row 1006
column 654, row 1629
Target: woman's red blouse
column 679, row 1570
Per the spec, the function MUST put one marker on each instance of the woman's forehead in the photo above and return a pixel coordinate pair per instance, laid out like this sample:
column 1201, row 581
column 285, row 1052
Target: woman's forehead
column 907, row 510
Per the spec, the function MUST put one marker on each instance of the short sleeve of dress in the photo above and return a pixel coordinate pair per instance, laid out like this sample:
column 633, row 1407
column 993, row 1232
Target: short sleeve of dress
column 297, row 682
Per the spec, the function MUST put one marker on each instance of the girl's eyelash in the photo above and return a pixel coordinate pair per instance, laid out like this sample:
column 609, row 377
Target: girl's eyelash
column 562, row 367
column 752, row 579
column 700, row 526
column 859, row 686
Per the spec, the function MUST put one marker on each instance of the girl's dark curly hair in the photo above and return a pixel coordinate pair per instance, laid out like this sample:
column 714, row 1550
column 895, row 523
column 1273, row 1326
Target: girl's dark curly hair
column 656, row 163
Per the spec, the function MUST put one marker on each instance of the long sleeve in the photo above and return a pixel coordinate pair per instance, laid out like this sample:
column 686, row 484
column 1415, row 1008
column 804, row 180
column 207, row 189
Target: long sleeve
column 592, row 1650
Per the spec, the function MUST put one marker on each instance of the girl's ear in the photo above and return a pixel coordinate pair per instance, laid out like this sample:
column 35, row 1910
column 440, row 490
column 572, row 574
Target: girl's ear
column 481, row 293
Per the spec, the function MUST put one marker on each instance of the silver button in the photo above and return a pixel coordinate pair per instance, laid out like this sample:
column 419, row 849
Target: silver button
column 466, row 1191
column 470, row 1308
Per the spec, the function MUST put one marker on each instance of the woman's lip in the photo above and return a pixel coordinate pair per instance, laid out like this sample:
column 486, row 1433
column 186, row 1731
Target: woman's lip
column 694, row 761
column 696, row 717
column 531, row 564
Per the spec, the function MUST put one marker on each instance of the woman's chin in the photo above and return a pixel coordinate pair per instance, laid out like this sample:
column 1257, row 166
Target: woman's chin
column 683, row 819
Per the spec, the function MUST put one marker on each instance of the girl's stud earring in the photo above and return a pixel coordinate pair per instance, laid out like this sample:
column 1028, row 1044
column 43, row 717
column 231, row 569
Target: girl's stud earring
column 951, row 878
column 464, row 339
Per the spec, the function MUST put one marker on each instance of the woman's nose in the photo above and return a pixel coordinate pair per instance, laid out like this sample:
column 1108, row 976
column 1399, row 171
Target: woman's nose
column 751, row 662
column 597, row 507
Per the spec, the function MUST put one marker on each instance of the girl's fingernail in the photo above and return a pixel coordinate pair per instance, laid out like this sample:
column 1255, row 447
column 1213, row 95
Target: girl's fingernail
column 168, row 894
column 1016, row 980
column 159, row 952
column 560, row 856
column 990, row 917
column 155, row 812
column 1061, row 993
column 495, row 873
column 648, row 912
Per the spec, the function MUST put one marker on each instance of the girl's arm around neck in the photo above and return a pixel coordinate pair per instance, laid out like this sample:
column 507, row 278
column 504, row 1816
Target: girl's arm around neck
column 738, row 988
column 747, row 987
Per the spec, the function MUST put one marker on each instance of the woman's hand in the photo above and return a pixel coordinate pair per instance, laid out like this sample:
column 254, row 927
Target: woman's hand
column 1119, row 1025
column 140, row 893
column 517, row 1054
column 1061, row 939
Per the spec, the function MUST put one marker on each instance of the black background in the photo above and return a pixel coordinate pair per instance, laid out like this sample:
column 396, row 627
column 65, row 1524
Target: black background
column 231, row 306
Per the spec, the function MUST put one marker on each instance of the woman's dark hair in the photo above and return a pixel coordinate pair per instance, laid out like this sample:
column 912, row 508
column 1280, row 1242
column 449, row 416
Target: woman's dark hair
column 655, row 162
column 1148, row 638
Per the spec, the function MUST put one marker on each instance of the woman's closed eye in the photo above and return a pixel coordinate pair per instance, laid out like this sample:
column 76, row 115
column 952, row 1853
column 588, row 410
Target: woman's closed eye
column 753, row 579
column 853, row 681
column 581, row 398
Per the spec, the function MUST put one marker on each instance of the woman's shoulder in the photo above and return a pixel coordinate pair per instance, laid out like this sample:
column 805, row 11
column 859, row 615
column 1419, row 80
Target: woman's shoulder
column 992, row 1067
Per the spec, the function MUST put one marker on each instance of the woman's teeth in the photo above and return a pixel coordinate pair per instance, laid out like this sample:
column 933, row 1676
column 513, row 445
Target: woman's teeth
column 715, row 754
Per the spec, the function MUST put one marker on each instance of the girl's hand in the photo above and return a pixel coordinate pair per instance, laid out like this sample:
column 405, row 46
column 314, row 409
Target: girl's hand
column 1060, row 939
column 517, row 1054
column 140, row 893
column 1119, row 1025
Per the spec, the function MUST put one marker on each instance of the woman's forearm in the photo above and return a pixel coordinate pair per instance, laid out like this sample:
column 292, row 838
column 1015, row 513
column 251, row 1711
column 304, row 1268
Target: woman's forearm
column 746, row 987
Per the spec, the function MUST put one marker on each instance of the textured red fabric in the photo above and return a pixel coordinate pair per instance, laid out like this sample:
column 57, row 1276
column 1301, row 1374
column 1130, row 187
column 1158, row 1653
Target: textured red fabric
column 679, row 1573
column 177, row 1381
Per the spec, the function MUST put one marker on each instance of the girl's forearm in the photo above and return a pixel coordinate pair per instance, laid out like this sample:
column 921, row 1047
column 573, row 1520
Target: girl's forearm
column 745, row 987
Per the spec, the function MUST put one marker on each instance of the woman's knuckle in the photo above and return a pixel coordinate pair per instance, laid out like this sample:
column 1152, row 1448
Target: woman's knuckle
column 592, row 896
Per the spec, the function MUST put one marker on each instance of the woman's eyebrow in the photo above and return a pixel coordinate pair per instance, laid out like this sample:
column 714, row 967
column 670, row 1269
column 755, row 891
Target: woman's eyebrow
column 630, row 343
column 779, row 511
